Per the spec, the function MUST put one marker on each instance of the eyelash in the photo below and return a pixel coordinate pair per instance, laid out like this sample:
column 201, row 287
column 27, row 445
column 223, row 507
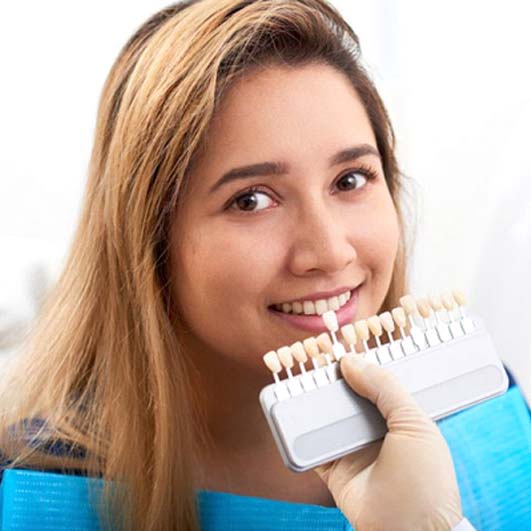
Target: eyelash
column 366, row 171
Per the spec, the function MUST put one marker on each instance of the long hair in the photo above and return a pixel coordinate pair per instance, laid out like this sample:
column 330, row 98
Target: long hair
column 104, row 365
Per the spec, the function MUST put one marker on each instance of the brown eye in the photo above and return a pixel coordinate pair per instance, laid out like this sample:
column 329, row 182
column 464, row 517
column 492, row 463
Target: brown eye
column 351, row 181
column 252, row 201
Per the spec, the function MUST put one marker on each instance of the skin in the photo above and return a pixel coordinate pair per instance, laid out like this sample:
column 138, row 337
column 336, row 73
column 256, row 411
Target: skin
column 305, row 235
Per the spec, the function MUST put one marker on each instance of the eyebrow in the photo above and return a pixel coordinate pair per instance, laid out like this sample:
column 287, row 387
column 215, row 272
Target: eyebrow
column 280, row 168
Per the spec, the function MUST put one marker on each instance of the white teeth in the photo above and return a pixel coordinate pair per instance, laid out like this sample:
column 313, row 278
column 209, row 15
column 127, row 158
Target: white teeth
column 297, row 307
column 321, row 307
column 311, row 308
column 333, row 304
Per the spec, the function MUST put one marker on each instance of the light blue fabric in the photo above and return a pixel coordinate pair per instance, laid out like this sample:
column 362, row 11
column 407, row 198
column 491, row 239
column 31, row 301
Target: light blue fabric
column 491, row 448
column 490, row 445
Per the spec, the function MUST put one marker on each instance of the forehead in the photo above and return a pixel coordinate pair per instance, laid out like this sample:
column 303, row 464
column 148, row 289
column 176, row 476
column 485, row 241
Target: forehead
column 296, row 114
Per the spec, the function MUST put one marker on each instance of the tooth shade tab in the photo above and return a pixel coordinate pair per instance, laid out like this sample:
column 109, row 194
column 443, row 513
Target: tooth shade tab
column 409, row 304
column 297, row 349
column 399, row 315
column 448, row 301
column 386, row 319
column 362, row 330
column 330, row 321
column 349, row 334
column 272, row 362
column 311, row 347
column 285, row 357
column 374, row 325
column 459, row 297
column 435, row 303
column 424, row 308
column 325, row 343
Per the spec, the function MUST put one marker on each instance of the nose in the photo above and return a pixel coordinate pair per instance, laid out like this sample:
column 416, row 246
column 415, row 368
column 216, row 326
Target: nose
column 322, row 241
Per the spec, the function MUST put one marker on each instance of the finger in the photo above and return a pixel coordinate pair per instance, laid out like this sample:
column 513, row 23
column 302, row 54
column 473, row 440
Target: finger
column 382, row 388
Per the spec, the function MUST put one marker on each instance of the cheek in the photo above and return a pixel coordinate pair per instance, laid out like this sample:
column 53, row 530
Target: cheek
column 377, row 248
column 223, row 275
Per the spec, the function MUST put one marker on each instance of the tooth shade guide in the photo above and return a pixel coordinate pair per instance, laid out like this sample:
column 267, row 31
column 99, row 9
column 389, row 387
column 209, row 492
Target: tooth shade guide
column 348, row 333
column 273, row 364
column 311, row 347
column 386, row 320
column 330, row 321
column 459, row 297
column 441, row 327
column 325, row 345
column 448, row 302
column 297, row 349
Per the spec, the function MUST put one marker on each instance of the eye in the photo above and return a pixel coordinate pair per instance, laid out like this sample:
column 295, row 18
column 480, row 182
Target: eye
column 351, row 181
column 251, row 201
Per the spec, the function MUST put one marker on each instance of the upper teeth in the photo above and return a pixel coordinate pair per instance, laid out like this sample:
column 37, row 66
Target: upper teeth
column 314, row 307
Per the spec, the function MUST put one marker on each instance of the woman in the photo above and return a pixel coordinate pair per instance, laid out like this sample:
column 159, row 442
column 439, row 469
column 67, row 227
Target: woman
column 243, row 161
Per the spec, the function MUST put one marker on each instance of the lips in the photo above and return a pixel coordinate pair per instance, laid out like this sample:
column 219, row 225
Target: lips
column 315, row 323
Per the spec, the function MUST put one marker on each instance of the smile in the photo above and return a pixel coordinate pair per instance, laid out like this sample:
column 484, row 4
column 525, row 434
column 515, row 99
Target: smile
column 305, row 314
column 310, row 307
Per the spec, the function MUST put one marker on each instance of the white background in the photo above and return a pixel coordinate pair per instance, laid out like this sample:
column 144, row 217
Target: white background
column 456, row 79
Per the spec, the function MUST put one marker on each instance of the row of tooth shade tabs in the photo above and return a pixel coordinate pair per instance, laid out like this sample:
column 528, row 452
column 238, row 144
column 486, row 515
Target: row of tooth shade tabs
column 414, row 326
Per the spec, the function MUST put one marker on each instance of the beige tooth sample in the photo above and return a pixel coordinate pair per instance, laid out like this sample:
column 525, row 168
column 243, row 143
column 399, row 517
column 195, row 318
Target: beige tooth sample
column 330, row 321
column 459, row 297
column 407, row 346
column 286, row 307
column 321, row 307
column 436, row 303
column 387, row 322
column 409, row 304
column 362, row 330
column 273, row 363
column 285, row 357
column 309, row 308
column 399, row 315
column 424, row 308
column 296, row 307
column 375, row 326
column 388, row 325
column 311, row 347
column 297, row 349
column 448, row 302
column 298, row 352
column 325, row 343
column 349, row 334
column 466, row 323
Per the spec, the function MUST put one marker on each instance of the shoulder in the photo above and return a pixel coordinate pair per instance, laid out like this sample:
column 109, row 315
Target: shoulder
column 33, row 434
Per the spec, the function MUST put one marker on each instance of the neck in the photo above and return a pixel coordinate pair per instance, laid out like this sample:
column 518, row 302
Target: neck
column 240, row 455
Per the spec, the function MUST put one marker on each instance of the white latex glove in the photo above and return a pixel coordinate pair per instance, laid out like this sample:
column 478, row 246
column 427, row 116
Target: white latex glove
column 405, row 481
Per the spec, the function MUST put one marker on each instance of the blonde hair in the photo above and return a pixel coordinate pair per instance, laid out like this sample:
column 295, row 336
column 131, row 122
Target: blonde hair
column 104, row 365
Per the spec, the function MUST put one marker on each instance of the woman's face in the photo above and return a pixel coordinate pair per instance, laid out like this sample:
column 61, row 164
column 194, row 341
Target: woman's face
column 287, row 206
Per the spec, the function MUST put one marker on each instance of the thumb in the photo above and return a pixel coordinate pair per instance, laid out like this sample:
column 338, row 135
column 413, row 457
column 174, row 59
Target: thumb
column 383, row 389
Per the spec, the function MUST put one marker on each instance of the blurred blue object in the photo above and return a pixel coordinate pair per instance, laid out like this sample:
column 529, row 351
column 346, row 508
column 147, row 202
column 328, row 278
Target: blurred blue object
column 490, row 445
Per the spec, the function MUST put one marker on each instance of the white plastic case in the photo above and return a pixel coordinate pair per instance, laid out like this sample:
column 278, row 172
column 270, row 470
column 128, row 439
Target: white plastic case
column 328, row 422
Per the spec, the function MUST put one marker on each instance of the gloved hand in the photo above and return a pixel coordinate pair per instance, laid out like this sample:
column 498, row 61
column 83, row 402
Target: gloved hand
column 405, row 481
